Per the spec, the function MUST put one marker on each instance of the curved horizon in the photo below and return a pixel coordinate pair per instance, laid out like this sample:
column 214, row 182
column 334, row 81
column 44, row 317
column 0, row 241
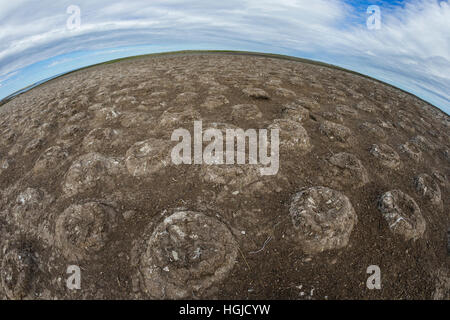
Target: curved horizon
column 251, row 53
column 401, row 43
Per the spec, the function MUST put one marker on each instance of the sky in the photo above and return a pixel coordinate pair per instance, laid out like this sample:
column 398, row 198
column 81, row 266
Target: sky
column 404, row 43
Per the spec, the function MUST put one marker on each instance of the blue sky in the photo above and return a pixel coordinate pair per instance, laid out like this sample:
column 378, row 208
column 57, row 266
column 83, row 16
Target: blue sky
column 410, row 50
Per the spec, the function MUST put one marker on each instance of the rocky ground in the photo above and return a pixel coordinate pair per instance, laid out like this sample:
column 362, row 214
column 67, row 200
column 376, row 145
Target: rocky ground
column 86, row 179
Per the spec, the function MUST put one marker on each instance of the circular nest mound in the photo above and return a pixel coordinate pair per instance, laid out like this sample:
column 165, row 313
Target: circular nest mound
column 387, row 156
column 82, row 230
column 91, row 171
column 187, row 254
column 402, row 214
column 292, row 135
column 52, row 159
column 412, row 151
column 345, row 170
column 323, row 218
column 372, row 130
column 17, row 273
column 428, row 189
column 147, row 157
column 336, row 132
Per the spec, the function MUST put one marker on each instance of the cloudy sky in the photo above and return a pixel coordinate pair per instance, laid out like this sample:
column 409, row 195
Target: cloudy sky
column 409, row 46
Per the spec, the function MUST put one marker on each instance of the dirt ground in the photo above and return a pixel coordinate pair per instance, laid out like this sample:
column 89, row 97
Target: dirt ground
column 86, row 179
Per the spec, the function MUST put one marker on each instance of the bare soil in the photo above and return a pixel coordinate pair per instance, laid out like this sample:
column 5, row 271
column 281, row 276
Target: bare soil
column 86, row 179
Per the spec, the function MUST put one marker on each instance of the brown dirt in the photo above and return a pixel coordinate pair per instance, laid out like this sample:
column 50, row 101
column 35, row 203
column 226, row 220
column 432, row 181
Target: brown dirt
column 95, row 145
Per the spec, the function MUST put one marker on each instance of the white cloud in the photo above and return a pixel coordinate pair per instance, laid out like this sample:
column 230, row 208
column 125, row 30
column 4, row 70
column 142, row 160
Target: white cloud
column 413, row 42
column 8, row 75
